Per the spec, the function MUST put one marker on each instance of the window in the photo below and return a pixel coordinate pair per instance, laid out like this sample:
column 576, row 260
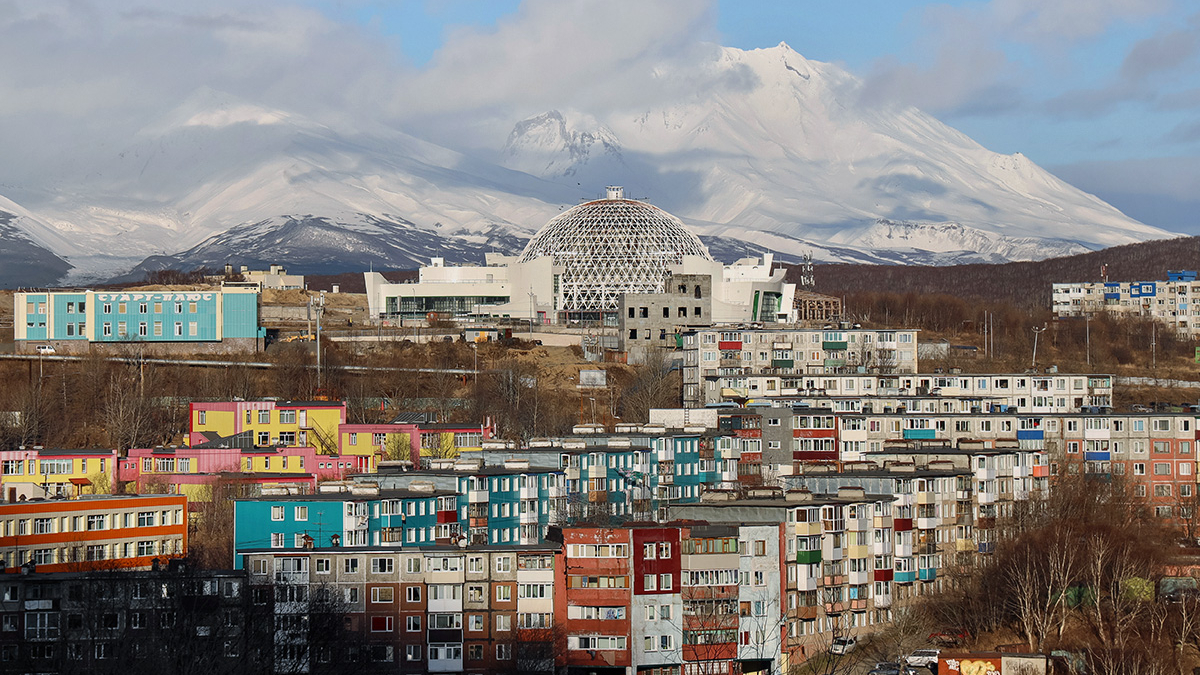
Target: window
column 504, row 563
column 503, row 593
column 352, row 595
column 277, row 540
column 301, row 513
column 412, row 594
column 504, row 652
column 276, row 513
column 381, row 624
column 323, row 565
column 382, row 565
column 412, row 624
column 504, row 622
column 350, row 565
column 382, row 594
column 412, row 565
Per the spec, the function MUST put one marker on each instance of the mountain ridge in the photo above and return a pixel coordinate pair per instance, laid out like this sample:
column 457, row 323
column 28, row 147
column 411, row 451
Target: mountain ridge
column 779, row 154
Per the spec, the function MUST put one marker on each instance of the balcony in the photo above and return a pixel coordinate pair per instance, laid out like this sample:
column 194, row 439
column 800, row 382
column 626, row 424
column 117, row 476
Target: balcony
column 834, row 363
column 807, row 583
column 783, row 363
column 928, row 574
column 807, row 613
column 882, row 601
column 964, row 545
column 987, row 547
column 833, row 580
column 835, row 607
column 902, row 524
column 832, row 346
column 858, row 605
column 905, row 577
column 884, row 575
column 808, row 557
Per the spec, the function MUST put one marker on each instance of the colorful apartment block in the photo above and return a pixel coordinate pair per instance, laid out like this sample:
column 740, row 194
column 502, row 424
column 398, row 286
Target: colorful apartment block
column 102, row 532
column 44, row 473
column 74, row 321
column 270, row 423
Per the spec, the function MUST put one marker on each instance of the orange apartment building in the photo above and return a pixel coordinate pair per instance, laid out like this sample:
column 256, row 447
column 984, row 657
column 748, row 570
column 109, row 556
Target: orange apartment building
column 90, row 533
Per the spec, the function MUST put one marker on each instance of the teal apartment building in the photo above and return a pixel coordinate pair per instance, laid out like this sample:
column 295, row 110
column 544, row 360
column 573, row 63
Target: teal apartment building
column 224, row 319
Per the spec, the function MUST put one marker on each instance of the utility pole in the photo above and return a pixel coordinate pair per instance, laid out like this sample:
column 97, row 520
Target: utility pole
column 1154, row 347
column 320, row 311
column 1087, row 331
column 1036, row 332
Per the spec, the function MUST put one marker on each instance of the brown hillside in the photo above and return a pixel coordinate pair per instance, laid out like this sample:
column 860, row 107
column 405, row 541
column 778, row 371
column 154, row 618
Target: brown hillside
column 1026, row 284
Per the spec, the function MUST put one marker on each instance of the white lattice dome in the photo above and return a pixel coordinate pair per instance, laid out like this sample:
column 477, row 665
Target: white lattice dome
column 612, row 246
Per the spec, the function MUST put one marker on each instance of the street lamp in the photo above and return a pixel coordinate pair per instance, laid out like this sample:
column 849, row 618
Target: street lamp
column 1036, row 332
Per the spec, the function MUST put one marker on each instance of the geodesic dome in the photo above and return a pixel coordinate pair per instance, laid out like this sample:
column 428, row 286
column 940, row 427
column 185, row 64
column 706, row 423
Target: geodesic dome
column 612, row 246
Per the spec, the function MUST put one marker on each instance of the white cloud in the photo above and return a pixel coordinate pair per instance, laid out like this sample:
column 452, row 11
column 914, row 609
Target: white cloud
column 590, row 54
column 971, row 71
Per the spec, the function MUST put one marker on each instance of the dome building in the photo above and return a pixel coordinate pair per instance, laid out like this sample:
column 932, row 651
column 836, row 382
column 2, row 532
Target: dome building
column 581, row 266
column 609, row 247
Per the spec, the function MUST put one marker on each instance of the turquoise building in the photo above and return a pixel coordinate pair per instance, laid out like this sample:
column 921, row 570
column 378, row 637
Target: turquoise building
column 359, row 517
column 71, row 321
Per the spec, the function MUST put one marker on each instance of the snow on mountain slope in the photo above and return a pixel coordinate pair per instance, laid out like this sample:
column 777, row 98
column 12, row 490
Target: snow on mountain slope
column 780, row 155
column 793, row 151
column 23, row 262
column 217, row 163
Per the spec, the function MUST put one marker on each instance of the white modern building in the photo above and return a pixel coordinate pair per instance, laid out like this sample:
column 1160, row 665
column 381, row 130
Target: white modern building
column 579, row 266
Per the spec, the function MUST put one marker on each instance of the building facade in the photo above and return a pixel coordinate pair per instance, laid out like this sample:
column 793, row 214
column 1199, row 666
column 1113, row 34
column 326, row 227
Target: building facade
column 224, row 319
column 1174, row 302
column 93, row 533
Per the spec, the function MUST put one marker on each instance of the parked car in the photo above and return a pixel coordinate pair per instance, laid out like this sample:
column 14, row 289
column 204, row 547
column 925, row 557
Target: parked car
column 923, row 658
column 45, row 349
column 843, row 645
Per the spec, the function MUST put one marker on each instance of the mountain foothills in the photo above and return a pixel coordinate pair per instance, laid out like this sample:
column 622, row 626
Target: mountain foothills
column 780, row 154
column 1023, row 284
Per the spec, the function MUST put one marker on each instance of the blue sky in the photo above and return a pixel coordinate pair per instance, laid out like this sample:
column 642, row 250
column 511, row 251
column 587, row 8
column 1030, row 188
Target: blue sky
column 1105, row 93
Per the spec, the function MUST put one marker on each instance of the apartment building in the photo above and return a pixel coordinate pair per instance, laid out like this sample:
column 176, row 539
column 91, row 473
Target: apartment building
column 443, row 609
column 171, row 619
column 46, row 473
column 720, row 364
column 94, row 532
column 1174, row 302
column 958, row 392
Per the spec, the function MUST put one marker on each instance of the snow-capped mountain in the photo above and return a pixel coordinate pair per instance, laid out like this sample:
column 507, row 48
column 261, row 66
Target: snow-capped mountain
column 793, row 151
column 781, row 154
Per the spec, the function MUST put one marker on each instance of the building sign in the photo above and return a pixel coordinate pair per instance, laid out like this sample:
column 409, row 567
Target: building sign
column 154, row 297
column 974, row 665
